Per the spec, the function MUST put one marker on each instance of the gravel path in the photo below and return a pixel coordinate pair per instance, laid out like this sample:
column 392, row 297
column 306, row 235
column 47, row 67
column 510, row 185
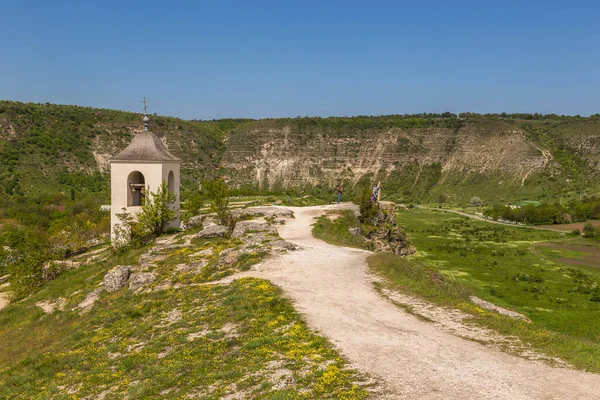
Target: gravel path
column 413, row 359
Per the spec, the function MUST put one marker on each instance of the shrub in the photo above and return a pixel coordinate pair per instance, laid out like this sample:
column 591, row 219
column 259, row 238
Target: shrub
column 475, row 202
column 157, row 211
column 193, row 204
column 368, row 209
column 576, row 232
column 217, row 192
column 589, row 230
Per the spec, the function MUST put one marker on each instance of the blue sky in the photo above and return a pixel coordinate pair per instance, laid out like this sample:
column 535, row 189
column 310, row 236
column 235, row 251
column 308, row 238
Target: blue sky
column 215, row 59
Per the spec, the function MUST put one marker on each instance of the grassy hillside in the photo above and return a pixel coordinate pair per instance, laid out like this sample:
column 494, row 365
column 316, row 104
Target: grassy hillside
column 537, row 273
column 47, row 149
column 181, row 336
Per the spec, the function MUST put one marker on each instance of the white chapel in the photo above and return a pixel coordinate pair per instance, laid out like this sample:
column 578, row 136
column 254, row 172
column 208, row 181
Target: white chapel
column 142, row 166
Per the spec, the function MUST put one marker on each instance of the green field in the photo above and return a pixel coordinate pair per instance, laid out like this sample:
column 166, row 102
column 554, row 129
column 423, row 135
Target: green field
column 497, row 263
column 517, row 268
column 550, row 277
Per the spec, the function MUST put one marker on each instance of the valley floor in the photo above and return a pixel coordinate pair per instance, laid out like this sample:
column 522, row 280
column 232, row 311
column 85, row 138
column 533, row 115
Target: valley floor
column 412, row 358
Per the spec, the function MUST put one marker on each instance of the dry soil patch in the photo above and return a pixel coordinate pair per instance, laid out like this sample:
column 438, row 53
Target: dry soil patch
column 569, row 227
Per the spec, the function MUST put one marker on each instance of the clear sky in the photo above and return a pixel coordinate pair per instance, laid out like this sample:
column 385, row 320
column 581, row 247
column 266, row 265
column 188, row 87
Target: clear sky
column 215, row 59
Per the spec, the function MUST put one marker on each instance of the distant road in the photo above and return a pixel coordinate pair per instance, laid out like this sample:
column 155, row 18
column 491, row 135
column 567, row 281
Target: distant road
column 480, row 218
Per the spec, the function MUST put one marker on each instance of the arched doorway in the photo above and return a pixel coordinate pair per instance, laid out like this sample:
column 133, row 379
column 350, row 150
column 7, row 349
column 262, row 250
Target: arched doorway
column 171, row 182
column 135, row 189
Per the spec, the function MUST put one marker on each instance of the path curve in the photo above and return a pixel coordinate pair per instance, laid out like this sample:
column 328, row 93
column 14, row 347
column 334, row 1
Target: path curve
column 480, row 218
column 413, row 359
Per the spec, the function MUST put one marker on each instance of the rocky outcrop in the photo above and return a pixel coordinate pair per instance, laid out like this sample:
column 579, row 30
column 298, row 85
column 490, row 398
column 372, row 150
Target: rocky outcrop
column 262, row 211
column 90, row 299
column 116, row 278
column 242, row 227
column 307, row 152
column 139, row 280
column 212, row 232
column 387, row 236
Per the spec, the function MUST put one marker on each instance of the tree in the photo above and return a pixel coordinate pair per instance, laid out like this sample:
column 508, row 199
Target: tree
column 217, row 192
column 157, row 211
column 589, row 230
column 475, row 201
column 194, row 203
column 368, row 209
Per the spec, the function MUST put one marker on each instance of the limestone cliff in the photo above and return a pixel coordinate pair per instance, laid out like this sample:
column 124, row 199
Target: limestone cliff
column 432, row 157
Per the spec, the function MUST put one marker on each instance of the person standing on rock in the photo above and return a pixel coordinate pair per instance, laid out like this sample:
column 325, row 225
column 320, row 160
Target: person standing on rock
column 375, row 196
column 339, row 191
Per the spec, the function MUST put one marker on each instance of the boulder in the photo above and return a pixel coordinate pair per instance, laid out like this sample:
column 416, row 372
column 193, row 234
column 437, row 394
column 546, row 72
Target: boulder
column 116, row 278
column 266, row 211
column 209, row 220
column 407, row 250
column 212, row 231
column 195, row 221
column 140, row 279
column 251, row 226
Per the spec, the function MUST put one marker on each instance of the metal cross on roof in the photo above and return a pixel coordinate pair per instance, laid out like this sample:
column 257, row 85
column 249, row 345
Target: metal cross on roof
column 145, row 104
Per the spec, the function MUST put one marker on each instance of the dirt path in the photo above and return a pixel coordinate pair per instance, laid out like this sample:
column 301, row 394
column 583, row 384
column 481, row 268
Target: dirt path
column 413, row 359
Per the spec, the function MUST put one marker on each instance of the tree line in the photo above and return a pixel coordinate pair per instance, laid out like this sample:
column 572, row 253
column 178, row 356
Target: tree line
column 548, row 213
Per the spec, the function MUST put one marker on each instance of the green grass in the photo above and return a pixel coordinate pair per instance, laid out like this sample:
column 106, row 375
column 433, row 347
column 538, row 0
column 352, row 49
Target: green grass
column 336, row 232
column 457, row 256
column 185, row 339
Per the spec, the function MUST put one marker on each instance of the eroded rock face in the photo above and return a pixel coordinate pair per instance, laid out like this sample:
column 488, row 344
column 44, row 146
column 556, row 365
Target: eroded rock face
column 116, row 278
column 212, row 232
column 251, row 226
column 292, row 154
column 139, row 280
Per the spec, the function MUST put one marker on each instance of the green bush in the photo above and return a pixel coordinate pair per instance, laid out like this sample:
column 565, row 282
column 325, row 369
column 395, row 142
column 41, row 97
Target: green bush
column 157, row 211
column 589, row 230
column 475, row 202
column 217, row 192
column 368, row 209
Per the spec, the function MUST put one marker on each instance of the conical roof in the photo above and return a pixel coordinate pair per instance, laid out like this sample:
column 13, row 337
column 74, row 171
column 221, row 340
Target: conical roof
column 145, row 146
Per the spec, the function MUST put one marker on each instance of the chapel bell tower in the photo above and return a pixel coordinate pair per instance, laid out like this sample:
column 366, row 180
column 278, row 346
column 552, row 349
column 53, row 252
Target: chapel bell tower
column 143, row 165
